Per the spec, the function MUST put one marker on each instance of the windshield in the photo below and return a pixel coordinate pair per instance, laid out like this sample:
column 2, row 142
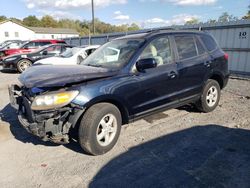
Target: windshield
column 70, row 52
column 5, row 43
column 114, row 54
column 13, row 45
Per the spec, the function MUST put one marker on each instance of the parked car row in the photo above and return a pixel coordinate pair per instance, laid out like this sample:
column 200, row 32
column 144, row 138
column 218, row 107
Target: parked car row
column 123, row 80
column 69, row 57
column 28, row 47
column 19, row 59
column 10, row 44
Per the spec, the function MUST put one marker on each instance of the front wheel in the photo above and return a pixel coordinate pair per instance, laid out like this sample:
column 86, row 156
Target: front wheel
column 23, row 64
column 210, row 96
column 100, row 128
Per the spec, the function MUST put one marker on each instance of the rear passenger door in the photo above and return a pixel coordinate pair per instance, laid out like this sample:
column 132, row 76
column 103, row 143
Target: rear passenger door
column 191, row 65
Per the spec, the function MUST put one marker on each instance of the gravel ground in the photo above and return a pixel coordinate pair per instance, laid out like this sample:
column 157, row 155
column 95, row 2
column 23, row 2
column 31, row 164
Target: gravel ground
column 175, row 148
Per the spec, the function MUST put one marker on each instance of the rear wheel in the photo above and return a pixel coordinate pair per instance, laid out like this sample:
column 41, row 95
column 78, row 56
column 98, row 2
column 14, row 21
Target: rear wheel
column 23, row 64
column 100, row 128
column 210, row 96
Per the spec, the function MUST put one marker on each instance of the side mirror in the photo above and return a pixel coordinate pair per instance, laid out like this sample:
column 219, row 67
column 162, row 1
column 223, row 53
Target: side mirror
column 147, row 63
column 45, row 52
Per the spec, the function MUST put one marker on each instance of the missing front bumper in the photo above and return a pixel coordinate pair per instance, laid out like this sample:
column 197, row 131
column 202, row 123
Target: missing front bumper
column 53, row 125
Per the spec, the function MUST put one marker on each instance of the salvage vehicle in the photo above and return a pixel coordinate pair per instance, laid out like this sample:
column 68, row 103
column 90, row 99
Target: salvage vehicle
column 20, row 62
column 29, row 47
column 154, row 71
column 72, row 56
column 11, row 44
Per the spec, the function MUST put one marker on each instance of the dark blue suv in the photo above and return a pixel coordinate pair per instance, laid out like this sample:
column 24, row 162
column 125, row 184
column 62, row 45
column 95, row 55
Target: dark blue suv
column 123, row 80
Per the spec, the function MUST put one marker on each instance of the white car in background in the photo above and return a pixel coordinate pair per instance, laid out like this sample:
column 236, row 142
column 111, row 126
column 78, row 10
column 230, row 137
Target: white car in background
column 71, row 56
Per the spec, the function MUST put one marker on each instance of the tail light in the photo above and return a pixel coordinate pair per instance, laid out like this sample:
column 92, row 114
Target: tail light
column 226, row 56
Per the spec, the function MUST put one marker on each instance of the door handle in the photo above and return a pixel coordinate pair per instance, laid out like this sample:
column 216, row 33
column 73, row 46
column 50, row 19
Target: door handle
column 207, row 63
column 172, row 75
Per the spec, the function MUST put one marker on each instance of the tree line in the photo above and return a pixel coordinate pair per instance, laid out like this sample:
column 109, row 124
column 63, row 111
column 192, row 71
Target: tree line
column 224, row 17
column 84, row 26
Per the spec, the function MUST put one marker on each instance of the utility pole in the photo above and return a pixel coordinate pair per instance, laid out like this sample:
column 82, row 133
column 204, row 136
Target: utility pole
column 93, row 17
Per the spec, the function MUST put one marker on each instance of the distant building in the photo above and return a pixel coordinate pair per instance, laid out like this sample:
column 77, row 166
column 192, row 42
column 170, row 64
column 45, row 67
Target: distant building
column 10, row 30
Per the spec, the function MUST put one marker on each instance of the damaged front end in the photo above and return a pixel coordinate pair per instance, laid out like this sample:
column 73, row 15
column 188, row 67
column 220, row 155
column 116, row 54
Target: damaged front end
column 50, row 124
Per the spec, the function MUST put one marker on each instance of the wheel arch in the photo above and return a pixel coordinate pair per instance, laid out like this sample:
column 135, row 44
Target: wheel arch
column 26, row 58
column 112, row 100
column 219, row 78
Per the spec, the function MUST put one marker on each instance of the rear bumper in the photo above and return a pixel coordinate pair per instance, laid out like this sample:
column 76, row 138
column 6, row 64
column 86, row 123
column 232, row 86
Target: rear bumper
column 53, row 125
column 225, row 81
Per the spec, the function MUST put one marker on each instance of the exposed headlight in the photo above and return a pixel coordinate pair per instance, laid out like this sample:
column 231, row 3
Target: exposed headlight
column 55, row 100
column 10, row 59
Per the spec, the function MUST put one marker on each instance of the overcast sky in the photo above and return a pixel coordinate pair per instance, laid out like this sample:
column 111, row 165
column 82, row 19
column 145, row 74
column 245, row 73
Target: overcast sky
column 147, row 13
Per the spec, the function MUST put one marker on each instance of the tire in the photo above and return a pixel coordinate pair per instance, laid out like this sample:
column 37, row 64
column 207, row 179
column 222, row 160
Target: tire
column 210, row 96
column 23, row 64
column 92, row 132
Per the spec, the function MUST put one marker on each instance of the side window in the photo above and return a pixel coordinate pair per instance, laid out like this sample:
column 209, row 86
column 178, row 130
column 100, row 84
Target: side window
column 199, row 46
column 53, row 50
column 29, row 45
column 160, row 50
column 185, row 46
column 39, row 44
column 90, row 51
column 14, row 45
column 209, row 42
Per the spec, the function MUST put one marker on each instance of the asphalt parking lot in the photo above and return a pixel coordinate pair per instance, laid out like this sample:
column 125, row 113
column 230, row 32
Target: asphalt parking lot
column 175, row 148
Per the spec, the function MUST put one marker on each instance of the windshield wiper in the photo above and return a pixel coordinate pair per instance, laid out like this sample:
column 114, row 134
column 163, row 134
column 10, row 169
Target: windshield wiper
column 95, row 65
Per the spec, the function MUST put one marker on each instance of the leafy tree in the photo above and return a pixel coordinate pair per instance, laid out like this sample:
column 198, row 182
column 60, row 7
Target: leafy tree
column 225, row 17
column 81, row 26
column 48, row 21
column 247, row 16
column 192, row 21
column 16, row 20
column 211, row 21
column 2, row 18
column 133, row 27
column 32, row 21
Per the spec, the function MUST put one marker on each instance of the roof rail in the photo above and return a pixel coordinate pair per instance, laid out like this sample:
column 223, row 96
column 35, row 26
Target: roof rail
column 161, row 29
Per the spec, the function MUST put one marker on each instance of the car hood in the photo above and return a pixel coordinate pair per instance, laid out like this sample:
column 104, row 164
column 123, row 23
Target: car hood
column 59, row 76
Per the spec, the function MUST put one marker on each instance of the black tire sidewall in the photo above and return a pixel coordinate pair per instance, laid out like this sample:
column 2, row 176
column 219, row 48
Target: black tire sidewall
column 204, row 104
column 87, row 133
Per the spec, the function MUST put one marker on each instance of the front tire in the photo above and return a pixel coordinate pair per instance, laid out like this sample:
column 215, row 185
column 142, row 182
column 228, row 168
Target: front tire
column 100, row 128
column 210, row 96
column 23, row 64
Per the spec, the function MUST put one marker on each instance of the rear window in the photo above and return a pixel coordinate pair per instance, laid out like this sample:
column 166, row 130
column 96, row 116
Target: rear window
column 186, row 47
column 209, row 42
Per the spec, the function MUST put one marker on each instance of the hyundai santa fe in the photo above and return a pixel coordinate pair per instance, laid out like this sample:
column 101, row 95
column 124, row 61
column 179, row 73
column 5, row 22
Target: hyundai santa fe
column 123, row 80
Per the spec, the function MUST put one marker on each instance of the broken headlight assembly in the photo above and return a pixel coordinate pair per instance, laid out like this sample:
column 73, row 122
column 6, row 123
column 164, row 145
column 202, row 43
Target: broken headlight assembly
column 53, row 100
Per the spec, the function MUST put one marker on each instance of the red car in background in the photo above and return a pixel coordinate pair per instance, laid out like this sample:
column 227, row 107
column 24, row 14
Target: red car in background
column 29, row 47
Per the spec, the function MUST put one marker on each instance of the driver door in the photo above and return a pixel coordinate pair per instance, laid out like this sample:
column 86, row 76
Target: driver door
column 157, row 85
